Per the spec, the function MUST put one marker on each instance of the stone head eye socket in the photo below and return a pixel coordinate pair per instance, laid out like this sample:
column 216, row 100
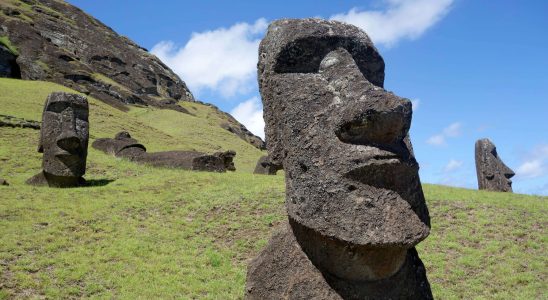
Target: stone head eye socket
column 57, row 107
column 81, row 113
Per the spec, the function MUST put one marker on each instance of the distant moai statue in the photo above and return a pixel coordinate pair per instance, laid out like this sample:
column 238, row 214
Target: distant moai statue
column 64, row 139
column 493, row 174
column 266, row 167
column 353, row 196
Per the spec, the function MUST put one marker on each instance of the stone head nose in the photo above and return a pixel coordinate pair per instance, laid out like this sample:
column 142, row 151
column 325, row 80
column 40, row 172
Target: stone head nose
column 69, row 142
column 375, row 126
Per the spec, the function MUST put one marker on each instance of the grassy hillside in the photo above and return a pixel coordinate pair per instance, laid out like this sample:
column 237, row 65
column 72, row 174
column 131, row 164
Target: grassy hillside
column 157, row 129
column 147, row 233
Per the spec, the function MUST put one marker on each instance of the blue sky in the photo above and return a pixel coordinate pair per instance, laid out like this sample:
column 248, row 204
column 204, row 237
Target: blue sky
column 473, row 68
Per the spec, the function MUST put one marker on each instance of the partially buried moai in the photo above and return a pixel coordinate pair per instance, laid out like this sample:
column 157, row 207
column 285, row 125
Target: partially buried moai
column 63, row 141
column 353, row 196
column 265, row 167
column 493, row 174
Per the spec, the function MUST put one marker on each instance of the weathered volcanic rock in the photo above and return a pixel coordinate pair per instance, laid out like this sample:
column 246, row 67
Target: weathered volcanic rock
column 292, row 275
column 63, row 140
column 60, row 43
column 123, row 145
column 266, row 167
column 8, row 64
column 228, row 159
column 493, row 174
column 232, row 125
column 15, row 122
column 353, row 194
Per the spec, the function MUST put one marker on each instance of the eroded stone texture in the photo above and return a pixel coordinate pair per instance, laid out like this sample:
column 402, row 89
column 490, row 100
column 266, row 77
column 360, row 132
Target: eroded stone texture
column 63, row 140
column 266, row 167
column 493, row 174
column 353, row 194
column 228, row 159
column 123, row 145
column 284, row 271
column 8, row 63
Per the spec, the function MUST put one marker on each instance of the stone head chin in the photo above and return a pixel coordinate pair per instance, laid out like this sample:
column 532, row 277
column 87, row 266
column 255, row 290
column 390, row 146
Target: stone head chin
column 64, row 135
column 342, row 139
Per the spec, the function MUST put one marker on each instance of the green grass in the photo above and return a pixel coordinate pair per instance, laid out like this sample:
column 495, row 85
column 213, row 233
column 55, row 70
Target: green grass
column 157, row 129
column 151, row 233
column 4, row 40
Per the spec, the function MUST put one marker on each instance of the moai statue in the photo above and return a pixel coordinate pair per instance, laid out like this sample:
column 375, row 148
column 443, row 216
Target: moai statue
column 493, row 174
column 228, row 159
column 123, row 145
column 354, row 200
column 266, row 167
column 64, row 141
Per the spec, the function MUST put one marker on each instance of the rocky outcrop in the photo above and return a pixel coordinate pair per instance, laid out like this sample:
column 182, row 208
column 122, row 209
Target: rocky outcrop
column 14, row 122
column 354, row 199
column 493, row 174
column 8, row 63
column 54, row 41
column 232, row 125
column 60, row 43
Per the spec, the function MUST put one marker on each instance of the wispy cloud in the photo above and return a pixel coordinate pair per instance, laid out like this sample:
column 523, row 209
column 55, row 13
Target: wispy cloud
column 455, row 173
column 400, row 19
column 452, row 165
column 535, row 163
column 250, row 113
column 451, row 131
column 223, row 60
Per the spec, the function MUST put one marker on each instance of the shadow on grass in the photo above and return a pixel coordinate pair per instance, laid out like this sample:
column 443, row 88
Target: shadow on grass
column 97, row 182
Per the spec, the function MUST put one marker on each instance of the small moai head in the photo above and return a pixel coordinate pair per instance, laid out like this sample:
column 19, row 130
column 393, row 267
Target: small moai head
column 493, row 174
column 64, row 135
column 228, row 159
column 351, row 175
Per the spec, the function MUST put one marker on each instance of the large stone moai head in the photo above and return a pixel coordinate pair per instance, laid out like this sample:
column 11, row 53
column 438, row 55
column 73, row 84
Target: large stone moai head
column 63, row 140
column 351, row 177
column 493, row 174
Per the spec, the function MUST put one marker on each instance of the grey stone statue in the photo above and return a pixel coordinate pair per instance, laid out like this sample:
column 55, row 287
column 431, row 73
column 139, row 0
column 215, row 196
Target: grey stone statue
column 64, row 139
column 493, row 174
column 266, row 167
column 353, row 196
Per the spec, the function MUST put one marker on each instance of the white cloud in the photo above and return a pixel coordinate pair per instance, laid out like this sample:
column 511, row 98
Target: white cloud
column 223, row 60
column 451, row 131
column 436, row 140
column 401, row 19
column 452, row 166
column 415, row 104
column 536, row 163
column 250, row 113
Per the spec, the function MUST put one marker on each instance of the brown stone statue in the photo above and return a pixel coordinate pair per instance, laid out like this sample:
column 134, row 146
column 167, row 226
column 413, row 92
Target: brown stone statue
column 123, row 145
column 64, row 141
column 353, row 195
column 266, row 167
column 493, row 174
